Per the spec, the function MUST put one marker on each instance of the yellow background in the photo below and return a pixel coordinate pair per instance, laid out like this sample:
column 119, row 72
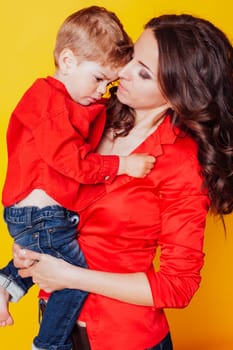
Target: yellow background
column 27, row 33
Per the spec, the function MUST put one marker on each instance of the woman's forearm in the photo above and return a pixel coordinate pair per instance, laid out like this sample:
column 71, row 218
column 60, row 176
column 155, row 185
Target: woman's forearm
column 53, row 274
column 132, row 288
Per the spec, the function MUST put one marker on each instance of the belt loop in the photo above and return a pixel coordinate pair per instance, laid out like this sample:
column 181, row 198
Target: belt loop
column 29, row 217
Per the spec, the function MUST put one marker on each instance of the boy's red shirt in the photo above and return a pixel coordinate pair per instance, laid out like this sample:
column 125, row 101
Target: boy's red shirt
column 50, row 141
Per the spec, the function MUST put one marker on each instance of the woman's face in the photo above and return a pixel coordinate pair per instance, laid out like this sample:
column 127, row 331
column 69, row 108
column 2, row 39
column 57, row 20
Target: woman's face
column 139, row 86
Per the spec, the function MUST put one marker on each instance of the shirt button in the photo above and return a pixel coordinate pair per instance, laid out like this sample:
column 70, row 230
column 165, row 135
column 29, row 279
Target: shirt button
column 107, row 177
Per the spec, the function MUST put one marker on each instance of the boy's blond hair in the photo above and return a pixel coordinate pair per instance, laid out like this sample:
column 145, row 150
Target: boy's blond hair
column 94, row 34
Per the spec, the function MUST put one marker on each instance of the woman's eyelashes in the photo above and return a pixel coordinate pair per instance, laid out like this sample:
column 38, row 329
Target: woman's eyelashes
column 144, row 74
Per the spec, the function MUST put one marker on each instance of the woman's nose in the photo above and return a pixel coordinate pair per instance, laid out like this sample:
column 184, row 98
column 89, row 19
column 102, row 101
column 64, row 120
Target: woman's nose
column 124, row 71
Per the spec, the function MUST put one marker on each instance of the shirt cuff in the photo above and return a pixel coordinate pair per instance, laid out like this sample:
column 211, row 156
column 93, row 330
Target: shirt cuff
column 110, row 168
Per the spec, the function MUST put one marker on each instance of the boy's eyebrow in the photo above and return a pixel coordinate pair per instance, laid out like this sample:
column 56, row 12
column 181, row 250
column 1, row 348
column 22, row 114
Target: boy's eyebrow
column 108, row 78
column 104, row 76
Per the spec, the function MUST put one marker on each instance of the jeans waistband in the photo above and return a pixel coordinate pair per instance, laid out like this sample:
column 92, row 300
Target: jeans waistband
column 28, row 215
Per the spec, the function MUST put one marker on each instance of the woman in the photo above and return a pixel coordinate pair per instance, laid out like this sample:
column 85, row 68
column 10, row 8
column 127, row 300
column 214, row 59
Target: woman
column 176, row 104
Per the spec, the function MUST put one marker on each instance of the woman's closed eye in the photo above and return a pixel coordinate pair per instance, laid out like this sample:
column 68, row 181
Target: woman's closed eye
column 144, row 74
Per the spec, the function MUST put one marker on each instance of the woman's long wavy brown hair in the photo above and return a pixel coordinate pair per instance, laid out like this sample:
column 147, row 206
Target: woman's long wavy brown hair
column 196, row 76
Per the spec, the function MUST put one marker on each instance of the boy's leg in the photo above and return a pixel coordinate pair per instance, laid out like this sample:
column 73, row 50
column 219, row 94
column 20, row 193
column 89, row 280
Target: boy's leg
column 22, row 229
column 12, row 286
column 59, row 319
column 63, row 307
column 51, row 230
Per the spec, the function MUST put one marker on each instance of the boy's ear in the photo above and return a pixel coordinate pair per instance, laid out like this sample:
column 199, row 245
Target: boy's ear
column 66, row 60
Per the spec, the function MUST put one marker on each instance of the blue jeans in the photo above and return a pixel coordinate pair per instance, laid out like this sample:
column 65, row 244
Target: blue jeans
column 51, row 230
column 165, row 344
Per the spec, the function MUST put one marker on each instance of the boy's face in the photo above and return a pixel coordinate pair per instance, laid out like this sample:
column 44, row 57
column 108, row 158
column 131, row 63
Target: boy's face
column 86, row 81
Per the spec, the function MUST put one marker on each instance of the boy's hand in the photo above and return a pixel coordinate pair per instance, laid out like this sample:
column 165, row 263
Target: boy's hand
column 136, row 165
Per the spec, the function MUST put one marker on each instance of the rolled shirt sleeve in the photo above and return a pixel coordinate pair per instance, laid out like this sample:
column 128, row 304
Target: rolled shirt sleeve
column 183, row 210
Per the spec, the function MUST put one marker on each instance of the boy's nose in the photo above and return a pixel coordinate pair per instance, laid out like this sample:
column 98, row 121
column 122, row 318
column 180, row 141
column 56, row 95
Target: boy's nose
column 102, row 88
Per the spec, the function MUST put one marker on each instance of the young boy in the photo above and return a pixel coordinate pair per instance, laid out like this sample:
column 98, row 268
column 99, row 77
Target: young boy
column 51, row 137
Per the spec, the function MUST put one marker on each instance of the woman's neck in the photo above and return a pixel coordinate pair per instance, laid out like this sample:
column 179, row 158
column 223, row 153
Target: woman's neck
column 145, row 124
column 147, row 119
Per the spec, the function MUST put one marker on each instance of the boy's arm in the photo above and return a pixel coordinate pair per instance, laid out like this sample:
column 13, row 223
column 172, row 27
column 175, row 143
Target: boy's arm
column 63, row 148
column 61, row 143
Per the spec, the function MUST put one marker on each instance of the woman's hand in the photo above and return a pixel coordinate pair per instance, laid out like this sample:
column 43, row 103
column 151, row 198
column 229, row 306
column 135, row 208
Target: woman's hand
column 47, row 272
